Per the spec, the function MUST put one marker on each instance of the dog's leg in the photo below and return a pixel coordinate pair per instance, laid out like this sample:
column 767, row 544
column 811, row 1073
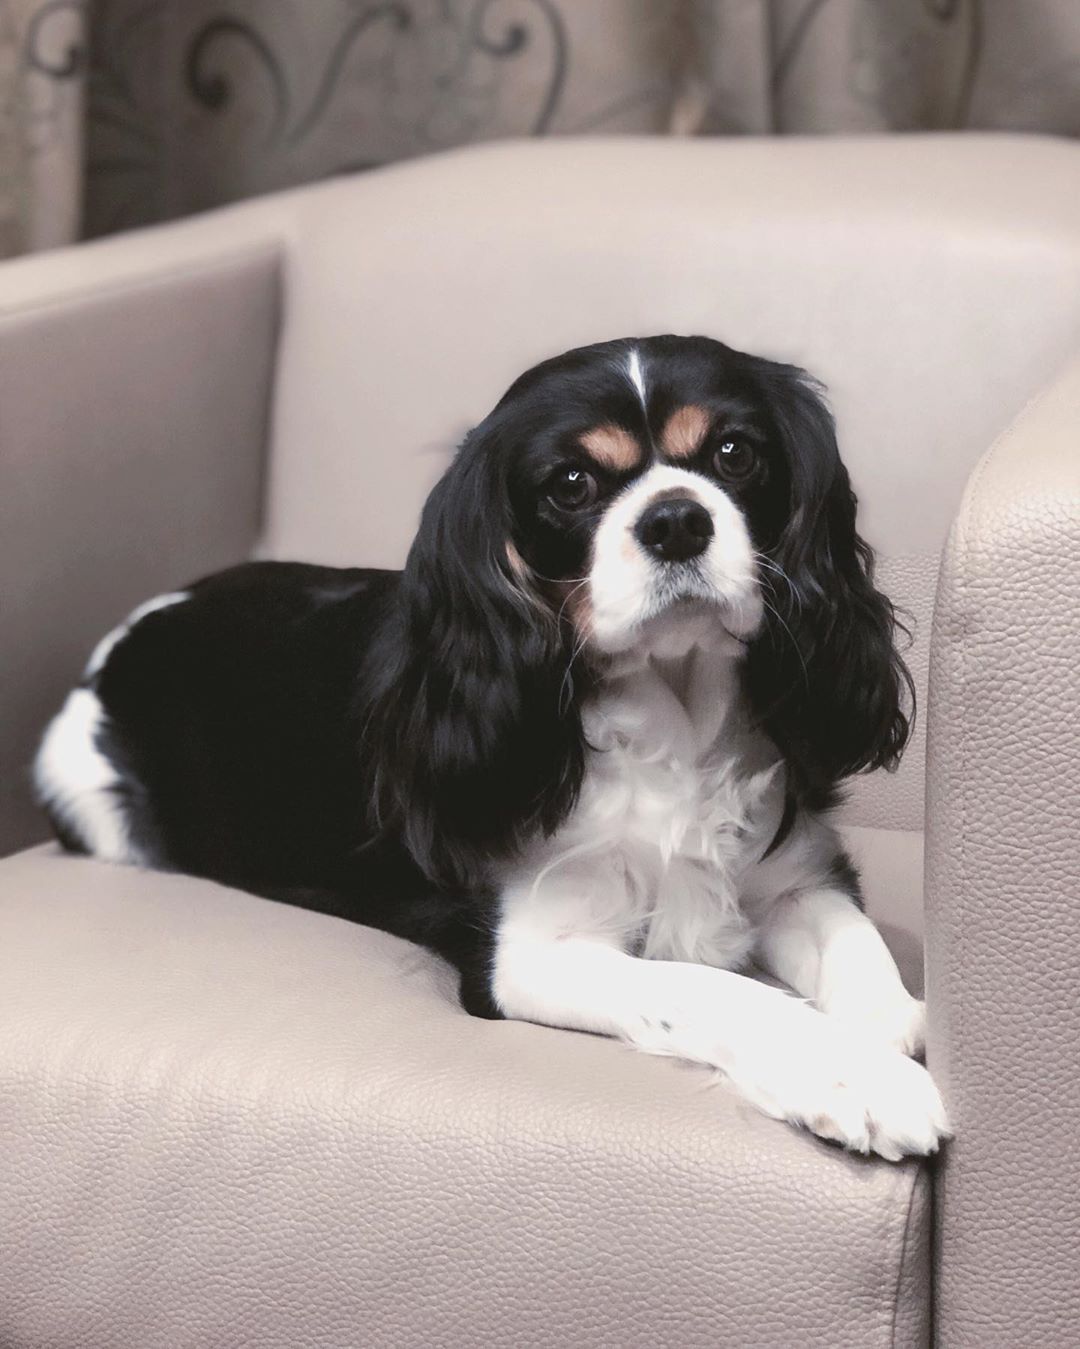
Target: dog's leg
column 788, row 1059
column 826, row 949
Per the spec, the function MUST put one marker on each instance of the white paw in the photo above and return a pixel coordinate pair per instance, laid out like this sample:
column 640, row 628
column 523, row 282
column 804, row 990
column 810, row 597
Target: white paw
column 869, row 1097
column 886, row 1104
column 895, row 1020
column 795, row 1063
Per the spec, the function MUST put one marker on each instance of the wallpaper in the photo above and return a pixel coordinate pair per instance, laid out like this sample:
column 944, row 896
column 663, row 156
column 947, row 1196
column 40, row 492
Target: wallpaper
column 114, row 113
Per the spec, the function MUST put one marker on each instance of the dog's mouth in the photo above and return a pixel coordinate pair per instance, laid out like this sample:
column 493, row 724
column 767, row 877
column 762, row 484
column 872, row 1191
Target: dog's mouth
column 679, row 608
column 695, row 619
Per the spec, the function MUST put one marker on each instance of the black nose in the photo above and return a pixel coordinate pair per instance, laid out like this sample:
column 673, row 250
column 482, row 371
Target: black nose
column 675, row 529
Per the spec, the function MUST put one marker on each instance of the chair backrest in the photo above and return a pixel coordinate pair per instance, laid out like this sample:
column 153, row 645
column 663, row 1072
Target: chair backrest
column 932, row 283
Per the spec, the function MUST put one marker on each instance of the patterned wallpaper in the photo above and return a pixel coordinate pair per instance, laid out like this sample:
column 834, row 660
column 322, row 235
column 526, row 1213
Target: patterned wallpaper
column 128, row 111
column 195, row 104
column 42, row 70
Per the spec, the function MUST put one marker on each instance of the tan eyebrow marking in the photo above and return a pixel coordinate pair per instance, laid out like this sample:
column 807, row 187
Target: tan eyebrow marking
column 612, row 447
column 684, row 432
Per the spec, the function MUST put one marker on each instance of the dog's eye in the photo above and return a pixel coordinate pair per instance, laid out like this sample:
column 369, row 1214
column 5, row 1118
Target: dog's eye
column 735, row 461
column 572, row 489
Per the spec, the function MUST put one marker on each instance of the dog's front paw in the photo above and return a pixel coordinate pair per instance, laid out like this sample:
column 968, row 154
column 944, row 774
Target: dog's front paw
column 884, row 1103
column 895, row 1019
column 844, row 1087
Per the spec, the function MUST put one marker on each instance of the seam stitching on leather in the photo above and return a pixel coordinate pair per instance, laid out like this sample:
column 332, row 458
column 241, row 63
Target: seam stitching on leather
column 883, row 828
column 967, row 523
column 958, row 958
column 903, row 1256
column 267, row 249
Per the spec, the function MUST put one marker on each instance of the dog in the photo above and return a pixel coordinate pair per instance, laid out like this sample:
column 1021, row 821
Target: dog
column 585, row 745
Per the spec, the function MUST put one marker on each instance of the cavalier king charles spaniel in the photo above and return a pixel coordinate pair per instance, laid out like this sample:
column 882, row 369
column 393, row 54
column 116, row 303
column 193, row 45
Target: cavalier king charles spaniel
column 584, row 746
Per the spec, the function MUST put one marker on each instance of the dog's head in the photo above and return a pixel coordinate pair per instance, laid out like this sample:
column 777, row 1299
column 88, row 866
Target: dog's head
column 628, row 500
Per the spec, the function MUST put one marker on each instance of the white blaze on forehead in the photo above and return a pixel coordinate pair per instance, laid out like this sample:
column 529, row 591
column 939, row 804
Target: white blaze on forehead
column 636, row 372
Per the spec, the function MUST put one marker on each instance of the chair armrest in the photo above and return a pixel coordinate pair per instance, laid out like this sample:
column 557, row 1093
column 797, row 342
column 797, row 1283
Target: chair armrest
column 135, row 377
column 1003, row 887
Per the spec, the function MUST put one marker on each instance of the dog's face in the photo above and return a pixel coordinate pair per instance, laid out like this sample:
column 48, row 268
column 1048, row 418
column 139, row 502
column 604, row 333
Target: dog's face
column 641, row 497
column 647, row 481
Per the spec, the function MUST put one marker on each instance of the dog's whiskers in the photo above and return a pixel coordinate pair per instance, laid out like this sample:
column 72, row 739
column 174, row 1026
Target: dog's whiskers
column 791, row 636
column 566, row 688
column 584, row 581
column 777, row 570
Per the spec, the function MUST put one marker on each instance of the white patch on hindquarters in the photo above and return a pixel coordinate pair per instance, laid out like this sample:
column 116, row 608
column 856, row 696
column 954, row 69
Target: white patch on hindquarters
column 72, row 774
column 79, row 784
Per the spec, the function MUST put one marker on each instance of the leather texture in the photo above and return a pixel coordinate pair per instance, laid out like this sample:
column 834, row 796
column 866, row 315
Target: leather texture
column 229, row 1122
column 1003, row 889
column 134, row 388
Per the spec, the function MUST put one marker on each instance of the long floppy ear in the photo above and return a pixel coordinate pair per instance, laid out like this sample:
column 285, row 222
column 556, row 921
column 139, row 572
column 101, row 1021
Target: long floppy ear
column 828, row 682
column 475, row 732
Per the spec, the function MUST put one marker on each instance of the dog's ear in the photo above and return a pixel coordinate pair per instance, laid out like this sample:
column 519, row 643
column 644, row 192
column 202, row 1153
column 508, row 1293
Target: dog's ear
column 828, row 682
column 475, row 731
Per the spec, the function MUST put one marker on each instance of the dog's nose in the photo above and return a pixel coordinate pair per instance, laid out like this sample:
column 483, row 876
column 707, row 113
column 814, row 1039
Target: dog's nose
column 675, row 529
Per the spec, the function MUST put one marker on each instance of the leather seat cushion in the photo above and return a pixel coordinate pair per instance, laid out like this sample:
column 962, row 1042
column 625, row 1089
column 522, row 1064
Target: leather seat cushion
column 231, row 1122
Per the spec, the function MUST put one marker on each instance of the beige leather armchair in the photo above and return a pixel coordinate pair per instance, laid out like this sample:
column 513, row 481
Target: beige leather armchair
column 224, row 1122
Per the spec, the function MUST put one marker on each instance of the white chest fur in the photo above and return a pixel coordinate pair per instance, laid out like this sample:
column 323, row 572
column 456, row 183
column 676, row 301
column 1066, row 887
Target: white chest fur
column 679, row 802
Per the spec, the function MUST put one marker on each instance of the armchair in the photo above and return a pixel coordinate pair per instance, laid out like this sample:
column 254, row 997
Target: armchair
column 227, row 1122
